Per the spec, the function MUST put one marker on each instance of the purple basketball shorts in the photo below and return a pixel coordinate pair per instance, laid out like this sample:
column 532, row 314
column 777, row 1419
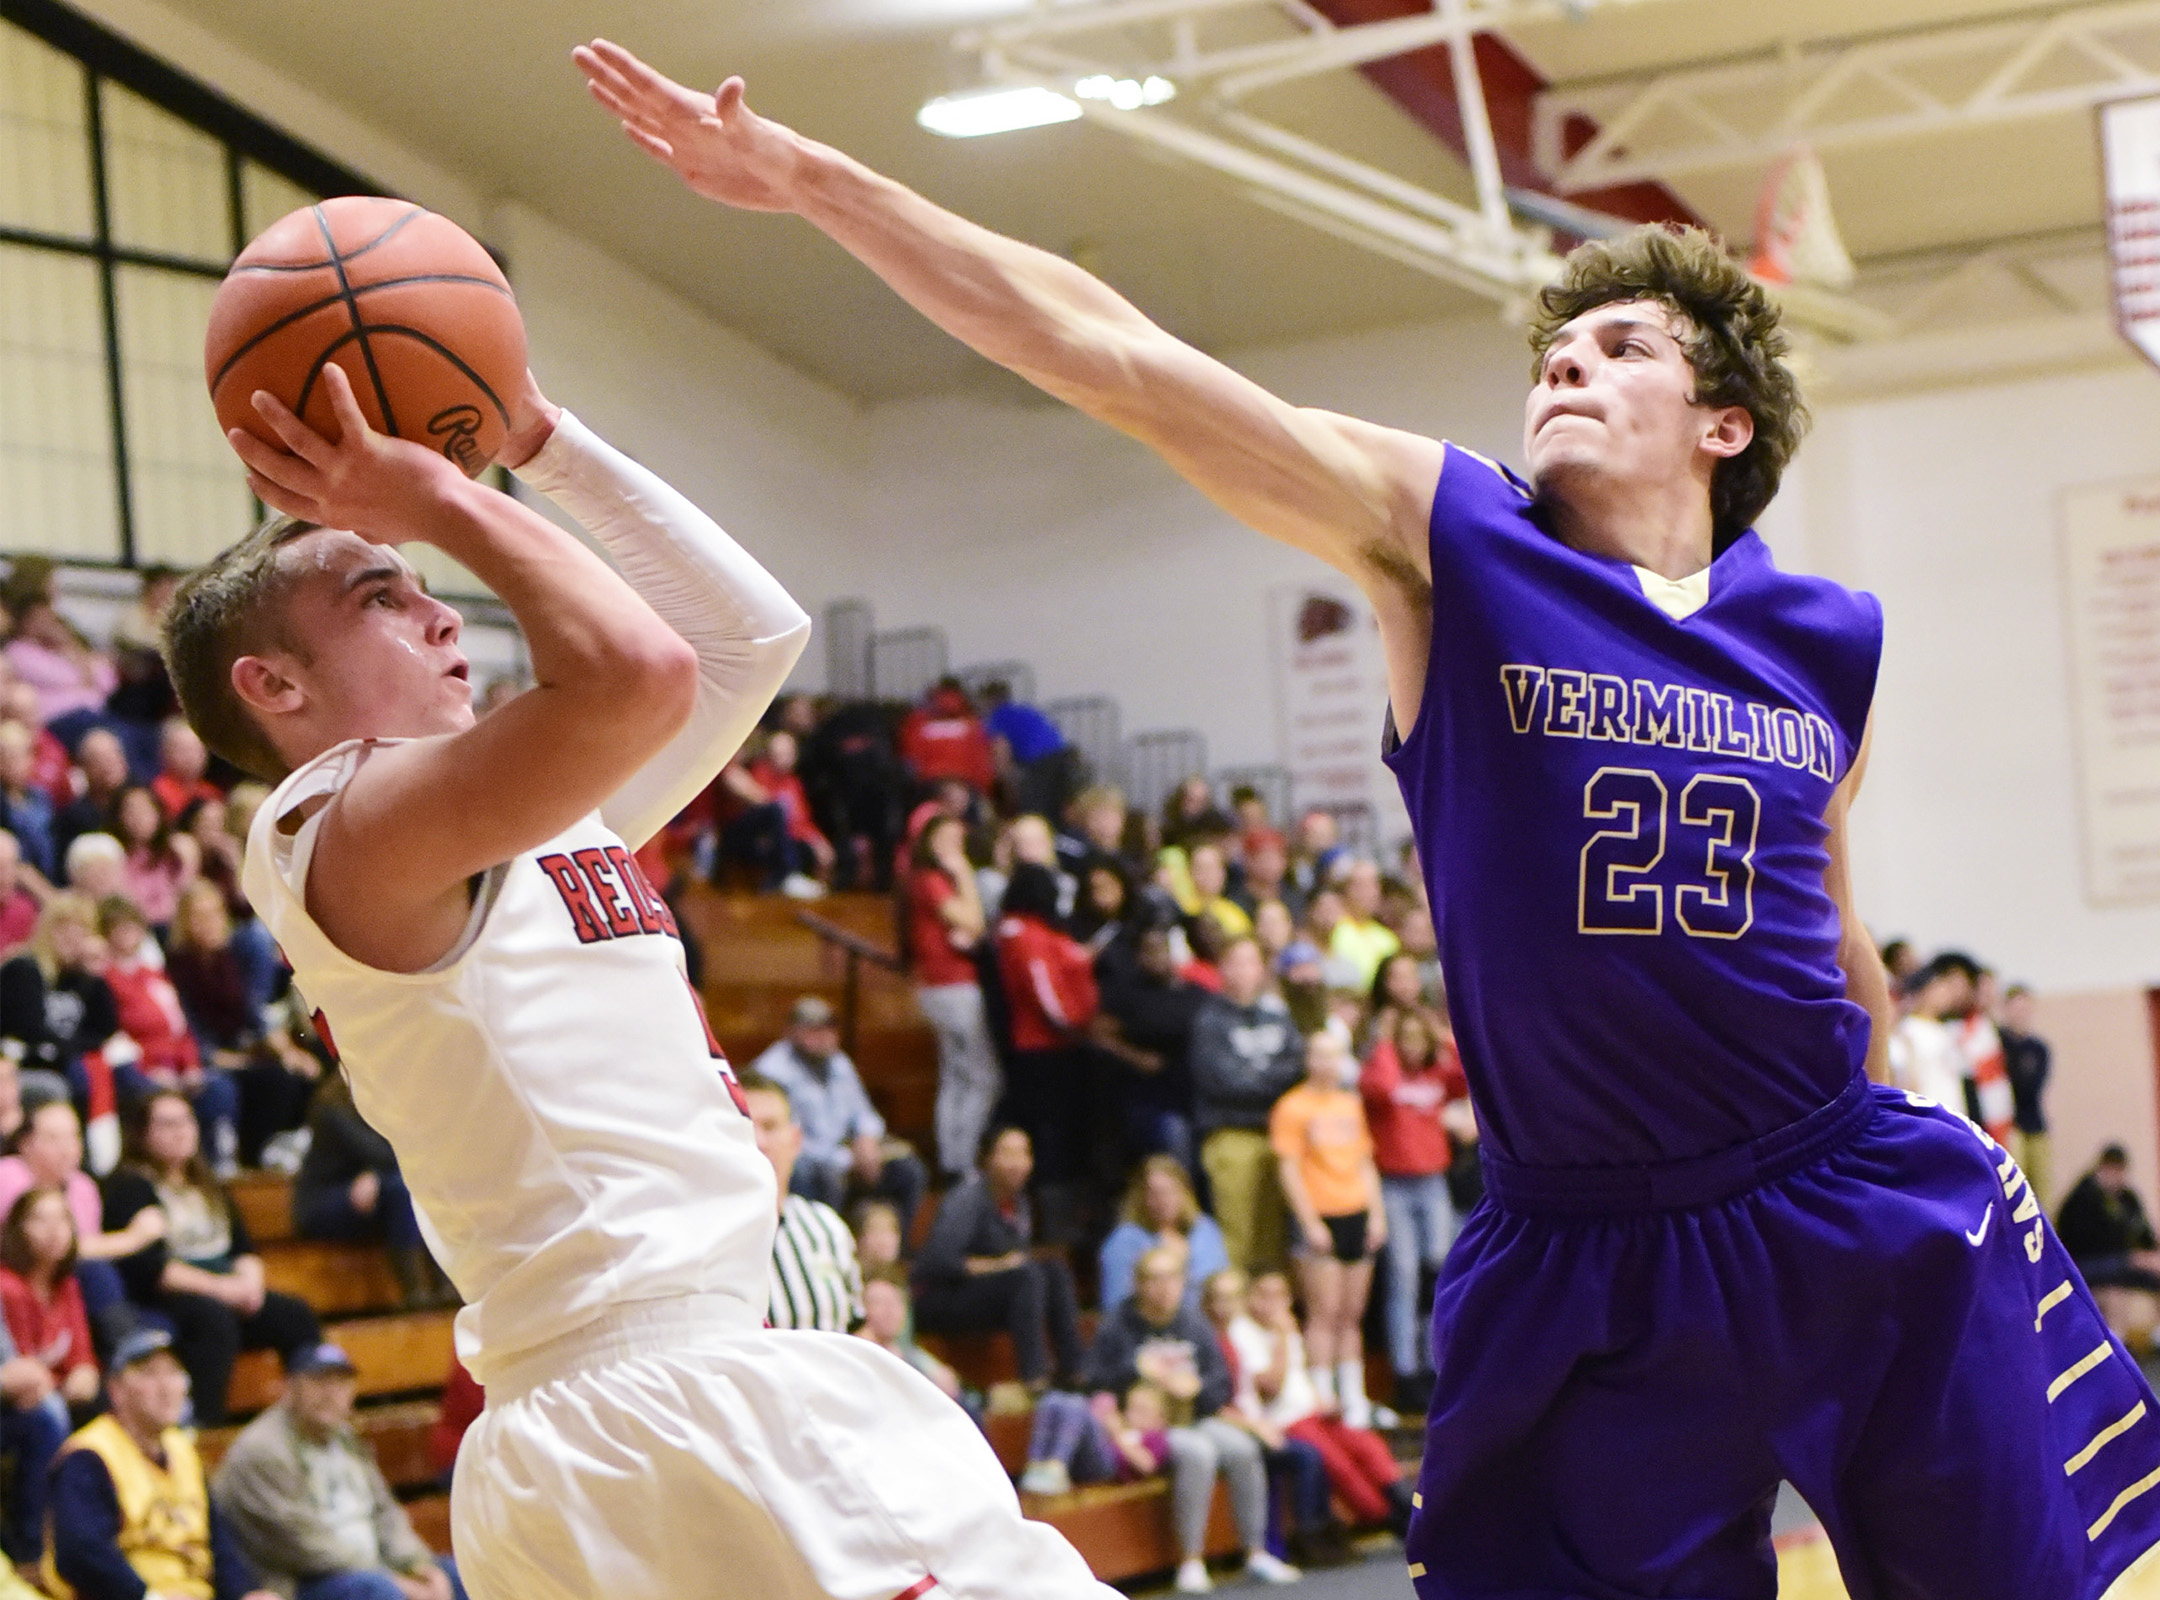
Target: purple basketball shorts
column 1869, row 1303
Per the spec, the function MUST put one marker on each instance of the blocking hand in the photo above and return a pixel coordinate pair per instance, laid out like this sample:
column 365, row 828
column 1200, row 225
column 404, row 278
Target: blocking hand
column 715, row 143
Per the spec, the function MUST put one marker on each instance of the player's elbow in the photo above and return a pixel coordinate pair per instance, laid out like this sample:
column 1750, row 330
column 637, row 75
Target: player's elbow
column 660, row 679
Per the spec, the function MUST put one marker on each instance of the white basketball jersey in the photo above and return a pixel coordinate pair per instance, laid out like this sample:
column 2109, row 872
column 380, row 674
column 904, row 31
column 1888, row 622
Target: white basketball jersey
column 571, row 1137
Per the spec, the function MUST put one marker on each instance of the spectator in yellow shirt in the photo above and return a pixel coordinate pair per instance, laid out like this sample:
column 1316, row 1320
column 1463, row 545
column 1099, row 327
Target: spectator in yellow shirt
column 1361, row 941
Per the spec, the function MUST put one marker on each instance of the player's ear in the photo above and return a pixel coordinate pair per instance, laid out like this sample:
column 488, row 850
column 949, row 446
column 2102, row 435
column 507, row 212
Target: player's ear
column 1731, row 430
column 264, row 685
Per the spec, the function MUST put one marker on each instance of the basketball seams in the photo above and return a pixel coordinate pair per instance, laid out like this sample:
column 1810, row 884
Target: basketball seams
column 352, row 308
column 418, row 336
column 383, row 237
column 354, row 293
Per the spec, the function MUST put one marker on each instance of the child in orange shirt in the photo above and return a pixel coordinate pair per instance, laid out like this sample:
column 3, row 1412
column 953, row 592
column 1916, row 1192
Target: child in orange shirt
column 1326, row 1157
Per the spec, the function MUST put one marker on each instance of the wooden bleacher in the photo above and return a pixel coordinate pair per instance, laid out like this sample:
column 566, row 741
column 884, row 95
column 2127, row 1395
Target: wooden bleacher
column 759, row 961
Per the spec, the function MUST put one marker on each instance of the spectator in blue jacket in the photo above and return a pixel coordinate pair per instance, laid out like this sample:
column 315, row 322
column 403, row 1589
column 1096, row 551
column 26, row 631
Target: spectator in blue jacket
column 1161, row 1209
column 847, row 1156
column 1035, row 760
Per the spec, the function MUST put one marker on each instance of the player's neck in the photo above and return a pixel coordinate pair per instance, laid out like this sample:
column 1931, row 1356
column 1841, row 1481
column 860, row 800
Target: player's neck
column 1664, row 528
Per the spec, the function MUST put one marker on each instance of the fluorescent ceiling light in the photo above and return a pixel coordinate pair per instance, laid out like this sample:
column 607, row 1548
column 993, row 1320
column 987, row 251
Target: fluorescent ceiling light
column 1127, row 94
column 981, row 111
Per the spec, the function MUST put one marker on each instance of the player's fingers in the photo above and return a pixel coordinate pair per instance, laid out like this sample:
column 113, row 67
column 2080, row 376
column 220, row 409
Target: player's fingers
column 352, row 426
column 272, row 465
column 657, row 90
column 727, row 98
column 601, row 78
column 279, row 498
column 299, row 439
column 650, row 143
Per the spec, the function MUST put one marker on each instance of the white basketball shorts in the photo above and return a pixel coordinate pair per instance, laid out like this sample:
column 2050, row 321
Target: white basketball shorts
column 669, row 1450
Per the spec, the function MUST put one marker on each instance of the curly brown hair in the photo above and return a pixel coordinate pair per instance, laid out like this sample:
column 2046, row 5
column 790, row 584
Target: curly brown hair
column 1733, row 340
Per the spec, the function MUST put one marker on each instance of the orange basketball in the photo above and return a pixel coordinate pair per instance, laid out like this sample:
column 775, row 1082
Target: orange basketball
column 407, row 302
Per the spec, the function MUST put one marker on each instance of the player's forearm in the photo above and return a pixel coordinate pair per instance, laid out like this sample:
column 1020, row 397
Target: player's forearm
column 1024, row 308
column 746, row 629
column 596, row 646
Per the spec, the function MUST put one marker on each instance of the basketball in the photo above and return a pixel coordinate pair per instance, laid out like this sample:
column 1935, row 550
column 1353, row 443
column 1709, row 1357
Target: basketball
column 407, row 302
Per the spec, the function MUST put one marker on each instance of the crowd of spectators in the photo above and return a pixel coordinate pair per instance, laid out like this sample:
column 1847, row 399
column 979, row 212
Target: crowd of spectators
column 1196, row 1072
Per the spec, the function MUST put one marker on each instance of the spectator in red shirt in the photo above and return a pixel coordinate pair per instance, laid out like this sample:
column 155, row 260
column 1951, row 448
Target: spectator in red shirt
column 154, row 1023
column 944, row 927
column 775, row 771
column 943, row 738
column 53, row 1366
column 1049, row 983
column 1408, row 1085
column 40, row 1297
column 182, row 761
column 51, row 768
column 18, row 906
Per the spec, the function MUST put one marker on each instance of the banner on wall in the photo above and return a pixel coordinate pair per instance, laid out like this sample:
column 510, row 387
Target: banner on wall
column 2111, row 586
column 2130, row 171
column 1331, row 698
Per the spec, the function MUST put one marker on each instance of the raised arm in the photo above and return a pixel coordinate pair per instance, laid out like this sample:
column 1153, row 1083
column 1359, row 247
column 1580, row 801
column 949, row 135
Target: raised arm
column 1354, row 494
column 614, row 685
column 745, row 627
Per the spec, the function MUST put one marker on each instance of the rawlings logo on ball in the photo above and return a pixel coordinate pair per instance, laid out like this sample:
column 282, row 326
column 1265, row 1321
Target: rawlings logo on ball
column 458, row 428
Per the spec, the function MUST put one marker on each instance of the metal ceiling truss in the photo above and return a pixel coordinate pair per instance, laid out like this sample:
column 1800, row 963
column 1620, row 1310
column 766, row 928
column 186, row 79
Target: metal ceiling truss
column 1220, row 52
column 1849, row 92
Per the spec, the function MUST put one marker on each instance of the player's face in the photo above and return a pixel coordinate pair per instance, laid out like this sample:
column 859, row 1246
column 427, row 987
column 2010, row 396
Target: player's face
column 1615, row 404
column 381, row 657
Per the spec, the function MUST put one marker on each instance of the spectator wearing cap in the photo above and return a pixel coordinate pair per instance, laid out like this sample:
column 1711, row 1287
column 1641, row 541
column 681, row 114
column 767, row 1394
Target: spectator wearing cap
column 944, row 739
column 1032, row 753
column 132, row 1517
column 847, row 1155
column 309, row 1504
column 816, row 1280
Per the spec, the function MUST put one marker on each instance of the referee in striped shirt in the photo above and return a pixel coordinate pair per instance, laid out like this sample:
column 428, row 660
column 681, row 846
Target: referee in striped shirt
column 816, row 1280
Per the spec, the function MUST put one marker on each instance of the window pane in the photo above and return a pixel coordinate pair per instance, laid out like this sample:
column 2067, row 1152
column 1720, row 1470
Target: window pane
column 44, row 139
column 165, row 181
column 266, row 196
column 56, row 472
column 186, row 487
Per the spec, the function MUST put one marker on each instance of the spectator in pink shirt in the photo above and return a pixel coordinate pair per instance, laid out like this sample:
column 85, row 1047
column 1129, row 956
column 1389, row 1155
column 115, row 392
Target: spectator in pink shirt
column 160, row 862
column 71, row 679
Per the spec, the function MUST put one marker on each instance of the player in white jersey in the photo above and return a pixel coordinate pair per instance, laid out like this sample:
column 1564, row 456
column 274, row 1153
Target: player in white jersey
column 508, row 997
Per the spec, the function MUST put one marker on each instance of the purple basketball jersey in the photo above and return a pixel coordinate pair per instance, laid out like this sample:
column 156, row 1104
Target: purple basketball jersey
column 1620, row 817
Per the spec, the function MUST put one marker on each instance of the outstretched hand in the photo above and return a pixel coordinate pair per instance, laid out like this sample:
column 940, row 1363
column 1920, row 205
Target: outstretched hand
column 378, row 486
column 715, row 143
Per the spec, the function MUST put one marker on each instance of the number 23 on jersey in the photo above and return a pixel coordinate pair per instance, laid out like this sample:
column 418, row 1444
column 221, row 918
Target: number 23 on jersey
column 1708, row 831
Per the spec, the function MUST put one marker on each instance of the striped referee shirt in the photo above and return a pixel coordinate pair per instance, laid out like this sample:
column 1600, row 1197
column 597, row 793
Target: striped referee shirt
column 816, row 1281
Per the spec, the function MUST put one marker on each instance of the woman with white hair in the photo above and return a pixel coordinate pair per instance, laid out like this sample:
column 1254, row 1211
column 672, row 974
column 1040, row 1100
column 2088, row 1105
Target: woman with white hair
column 96, row 866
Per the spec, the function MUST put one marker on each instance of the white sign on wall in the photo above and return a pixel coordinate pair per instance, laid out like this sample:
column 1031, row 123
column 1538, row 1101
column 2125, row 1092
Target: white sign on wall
column 2130, row 166
column 1331, row 691
column 2111, row 586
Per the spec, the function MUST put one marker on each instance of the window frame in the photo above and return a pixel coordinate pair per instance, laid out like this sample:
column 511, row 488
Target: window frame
column 107, row 57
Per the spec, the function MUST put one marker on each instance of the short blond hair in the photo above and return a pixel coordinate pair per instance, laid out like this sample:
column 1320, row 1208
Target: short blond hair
column 221, row 612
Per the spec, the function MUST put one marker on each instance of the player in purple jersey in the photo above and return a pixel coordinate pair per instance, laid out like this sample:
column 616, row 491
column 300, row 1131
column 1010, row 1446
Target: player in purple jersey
column 1713, row 1253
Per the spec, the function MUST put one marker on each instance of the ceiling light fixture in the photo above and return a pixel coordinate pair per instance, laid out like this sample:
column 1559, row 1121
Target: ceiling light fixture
column 975, row 112
column 1127, row 94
